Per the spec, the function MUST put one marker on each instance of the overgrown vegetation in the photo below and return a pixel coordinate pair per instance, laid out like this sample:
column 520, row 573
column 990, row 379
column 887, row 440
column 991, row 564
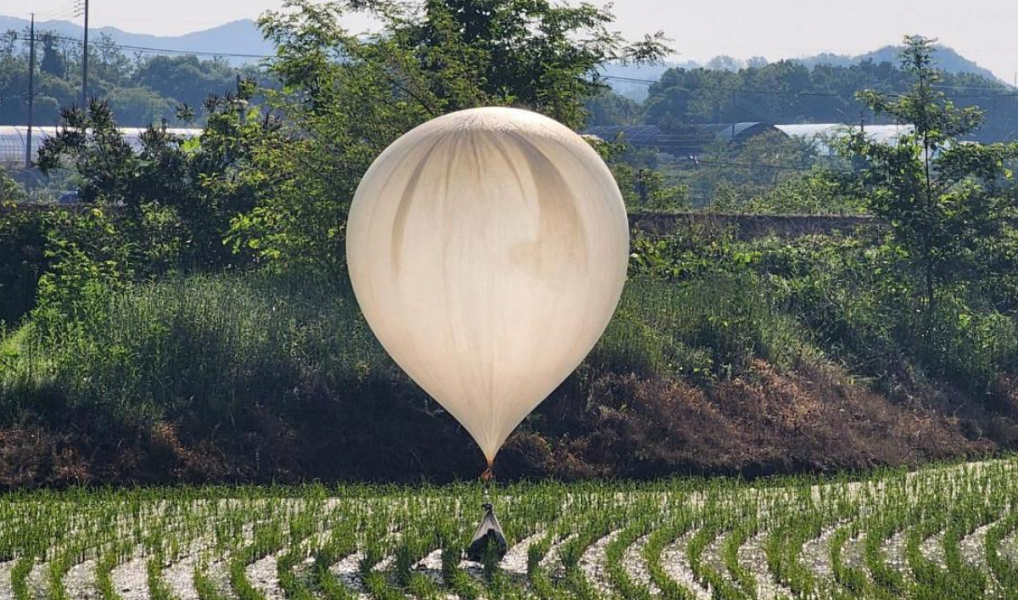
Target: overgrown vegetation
column 193, row 320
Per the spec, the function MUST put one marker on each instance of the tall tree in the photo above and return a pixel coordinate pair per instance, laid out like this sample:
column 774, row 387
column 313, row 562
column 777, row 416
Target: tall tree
column 946, row 202
column 348, row 96
column 53, row 61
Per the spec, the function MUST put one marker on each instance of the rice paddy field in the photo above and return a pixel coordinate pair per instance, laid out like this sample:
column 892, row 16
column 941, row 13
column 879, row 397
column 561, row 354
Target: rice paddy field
column 944, row 532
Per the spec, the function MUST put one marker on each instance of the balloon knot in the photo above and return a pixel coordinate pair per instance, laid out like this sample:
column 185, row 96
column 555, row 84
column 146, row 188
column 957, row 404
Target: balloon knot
column 487, row 475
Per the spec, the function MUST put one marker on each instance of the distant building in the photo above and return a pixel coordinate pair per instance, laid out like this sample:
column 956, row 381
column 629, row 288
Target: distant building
column 14, row 140
column 690, row 141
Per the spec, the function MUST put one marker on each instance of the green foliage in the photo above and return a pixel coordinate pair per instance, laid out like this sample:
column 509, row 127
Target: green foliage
column 643, row 186
column 22, row 260
column 817, row 192
column 695, row 309
column 142, row 89
column 789, row 91
column 948, row 203
column 10, row 190
column 443, row 56
column 88, row 263
column 177, row 196
column 198, row 344
column 857, row 298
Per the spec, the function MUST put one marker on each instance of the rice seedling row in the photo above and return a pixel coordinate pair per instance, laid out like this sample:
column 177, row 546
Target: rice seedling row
column 941, row 532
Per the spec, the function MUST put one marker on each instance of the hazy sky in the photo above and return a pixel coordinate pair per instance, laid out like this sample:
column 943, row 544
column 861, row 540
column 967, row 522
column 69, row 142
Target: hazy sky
column 983, row 30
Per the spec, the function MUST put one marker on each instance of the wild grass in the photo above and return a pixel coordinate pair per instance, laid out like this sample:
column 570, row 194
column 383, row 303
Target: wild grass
column 212, row 344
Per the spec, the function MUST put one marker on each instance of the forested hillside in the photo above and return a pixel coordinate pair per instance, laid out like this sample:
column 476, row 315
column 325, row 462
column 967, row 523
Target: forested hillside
column 793, row 92
column 140, row 88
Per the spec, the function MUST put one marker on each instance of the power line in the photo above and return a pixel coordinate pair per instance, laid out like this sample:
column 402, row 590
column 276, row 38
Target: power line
column 84, row 55
column 56, row 8
column 715, row 163
column 59, row 14
column 146, row 49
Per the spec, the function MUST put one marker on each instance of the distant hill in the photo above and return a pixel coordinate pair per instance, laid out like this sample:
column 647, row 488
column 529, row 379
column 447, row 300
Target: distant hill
column 243, row 37
column 236, row 37
column 947, row 59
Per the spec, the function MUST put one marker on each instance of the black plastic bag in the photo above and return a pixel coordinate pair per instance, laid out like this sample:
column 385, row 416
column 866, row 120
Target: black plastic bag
column 488, row 535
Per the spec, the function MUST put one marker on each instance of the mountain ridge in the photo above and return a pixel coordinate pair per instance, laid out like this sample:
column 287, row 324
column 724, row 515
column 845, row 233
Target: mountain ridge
column 242, row 37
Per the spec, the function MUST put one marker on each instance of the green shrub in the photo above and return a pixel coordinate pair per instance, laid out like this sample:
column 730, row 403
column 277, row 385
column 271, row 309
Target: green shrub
column 699, row 329
column 22, row 260
column 208, row 343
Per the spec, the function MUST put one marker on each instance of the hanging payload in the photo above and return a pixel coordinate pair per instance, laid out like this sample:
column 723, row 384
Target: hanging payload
column 487, row 538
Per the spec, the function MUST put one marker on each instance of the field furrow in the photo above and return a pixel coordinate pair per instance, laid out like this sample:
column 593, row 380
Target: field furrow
column 753, row 557
column 79, row 582
column 130, row 579
column 6, row 592
column 676, row 565
column 636, row 566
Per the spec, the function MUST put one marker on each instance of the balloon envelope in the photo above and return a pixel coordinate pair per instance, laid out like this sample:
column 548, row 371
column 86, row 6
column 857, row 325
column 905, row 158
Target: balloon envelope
column 488, row 250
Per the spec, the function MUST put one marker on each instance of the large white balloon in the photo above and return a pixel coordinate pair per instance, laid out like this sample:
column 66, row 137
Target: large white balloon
column 488, row 251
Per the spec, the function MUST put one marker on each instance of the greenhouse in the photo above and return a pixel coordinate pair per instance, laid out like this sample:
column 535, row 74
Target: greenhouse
column 14, row 140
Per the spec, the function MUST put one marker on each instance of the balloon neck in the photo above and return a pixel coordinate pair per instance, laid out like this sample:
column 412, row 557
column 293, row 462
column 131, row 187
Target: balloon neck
column 487, row 475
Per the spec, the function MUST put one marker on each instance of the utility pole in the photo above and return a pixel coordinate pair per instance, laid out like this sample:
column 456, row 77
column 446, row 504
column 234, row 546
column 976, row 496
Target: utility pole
column 733, row 115
column 31, row 91
column 84, row 65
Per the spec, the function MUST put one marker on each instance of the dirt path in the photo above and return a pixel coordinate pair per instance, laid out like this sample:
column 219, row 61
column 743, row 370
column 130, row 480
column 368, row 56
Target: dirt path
column 79, row 582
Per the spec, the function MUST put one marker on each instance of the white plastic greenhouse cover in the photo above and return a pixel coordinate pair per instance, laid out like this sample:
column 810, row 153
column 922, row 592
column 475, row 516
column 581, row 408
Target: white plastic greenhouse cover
column 821, row 134
column 488, row 250
column 14, row 139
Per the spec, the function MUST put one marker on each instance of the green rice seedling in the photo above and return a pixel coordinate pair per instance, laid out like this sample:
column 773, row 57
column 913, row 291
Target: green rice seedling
column 730, row 553
column 582, row 537
column 1004, row 571
column 204, row 586
column 620, row 579
column 853, row 579
column 19, row 577
column 157, row 588
column 656, row 543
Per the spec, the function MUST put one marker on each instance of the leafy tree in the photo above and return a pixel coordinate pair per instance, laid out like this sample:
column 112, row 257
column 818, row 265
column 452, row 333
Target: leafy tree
column 108, row 63
column 53, row 61
column 346, row 96
column 790, row 92
column 140, row 105
column 608, row 108
column 171, row 186
column 185, row 79
column 948, row 204
column 90, row 142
